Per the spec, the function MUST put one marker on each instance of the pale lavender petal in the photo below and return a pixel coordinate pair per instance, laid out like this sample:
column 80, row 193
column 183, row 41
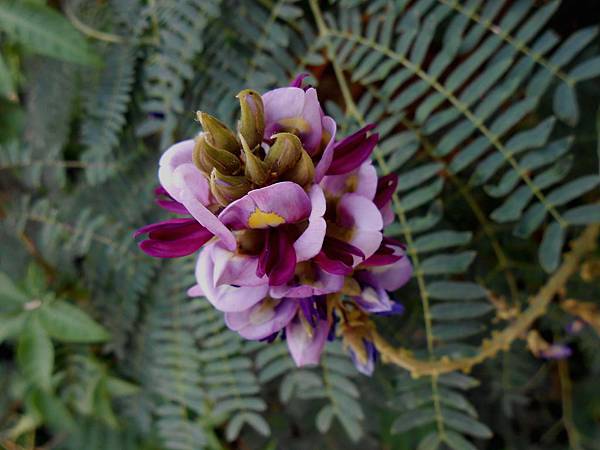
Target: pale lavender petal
column 311, row 240
column 195, row 291
column 330, row 127
column 306, row 348
column 312, row 114
column 394, row 276
column 232, row 268
column 282, row 103
column 226, row 298
column 203, row 215
column 359, row 214
column 362, row 181
column 263, row 319
column 280, row 203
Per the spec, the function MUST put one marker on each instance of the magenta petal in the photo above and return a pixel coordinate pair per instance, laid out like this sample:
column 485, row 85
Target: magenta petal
column 165, row 201
column 333, row 266
column 352, row 151
column 227, row 298
column 262, row 319
column 311, row 240
column 305, row 348
column 386, row 186
column 322, row 166
column 283, row 202
column 173, row 238
column 297, row 82
column 278, row 259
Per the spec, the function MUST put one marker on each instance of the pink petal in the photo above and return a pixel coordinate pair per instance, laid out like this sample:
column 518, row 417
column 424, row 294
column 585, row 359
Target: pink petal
column 195, row 291
column 304, row 348
column 312, row 114
column 263, row 319
column 283, row 202
column 311, row 240
column 330, row 126
column 226, row 298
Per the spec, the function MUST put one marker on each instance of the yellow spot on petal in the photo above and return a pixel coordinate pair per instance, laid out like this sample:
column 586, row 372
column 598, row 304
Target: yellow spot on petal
column 261, row 219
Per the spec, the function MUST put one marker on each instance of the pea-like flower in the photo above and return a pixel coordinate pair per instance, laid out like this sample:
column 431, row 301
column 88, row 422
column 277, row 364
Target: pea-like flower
column 288, row 224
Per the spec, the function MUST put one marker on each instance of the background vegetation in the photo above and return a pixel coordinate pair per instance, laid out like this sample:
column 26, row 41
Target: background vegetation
column 487, row 111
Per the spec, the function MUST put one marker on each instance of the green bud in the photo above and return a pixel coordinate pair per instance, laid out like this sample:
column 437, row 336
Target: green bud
column 227, row 188
column 252, row 121
column 206, row 157
column 303, row 172
column 218, row 134
column 284, row 153
column 255, row 170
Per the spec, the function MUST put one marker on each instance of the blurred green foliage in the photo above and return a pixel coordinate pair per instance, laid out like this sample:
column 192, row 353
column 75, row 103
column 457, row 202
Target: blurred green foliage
column 487, row 110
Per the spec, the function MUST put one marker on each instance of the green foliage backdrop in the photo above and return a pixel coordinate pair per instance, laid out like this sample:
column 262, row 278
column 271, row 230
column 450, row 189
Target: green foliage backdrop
column 487, row 110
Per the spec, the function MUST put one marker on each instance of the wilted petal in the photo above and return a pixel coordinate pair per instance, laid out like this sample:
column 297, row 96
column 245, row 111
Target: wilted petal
column 365, row 367
column 362, row 181
column 226, row 298
column 311, row 240
column 263, row 319
column 274, row 205
column 330, row 127
column 306, row 348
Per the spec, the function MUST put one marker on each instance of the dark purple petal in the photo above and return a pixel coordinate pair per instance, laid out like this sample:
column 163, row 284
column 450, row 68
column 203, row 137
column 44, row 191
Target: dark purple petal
column 365, row 367
column 173, row 238
column 386, row 186
column 165, row 201
column 277, row 259
column 352, row 151
column 385, row 254
column 333, row 266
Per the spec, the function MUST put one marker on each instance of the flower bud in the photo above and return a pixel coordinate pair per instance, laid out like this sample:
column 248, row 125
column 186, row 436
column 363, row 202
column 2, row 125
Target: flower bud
column 218, row 134
column 303, row 172
column 255, row 168
column 252, row 122
column 284, row 153
column 228, row 188
column 206, row 157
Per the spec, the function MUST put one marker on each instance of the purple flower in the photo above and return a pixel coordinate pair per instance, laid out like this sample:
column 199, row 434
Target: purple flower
column 556, row 351
column 285, row 220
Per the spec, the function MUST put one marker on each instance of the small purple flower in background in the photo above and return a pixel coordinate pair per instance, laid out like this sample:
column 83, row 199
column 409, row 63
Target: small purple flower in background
column 288, row 222
column 543, row 349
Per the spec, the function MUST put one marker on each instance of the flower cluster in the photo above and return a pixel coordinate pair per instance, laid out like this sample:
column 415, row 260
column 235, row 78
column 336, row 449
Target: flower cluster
column 289, row 223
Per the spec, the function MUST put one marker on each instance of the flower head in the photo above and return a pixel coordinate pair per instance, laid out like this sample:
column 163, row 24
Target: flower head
column 287, row 222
